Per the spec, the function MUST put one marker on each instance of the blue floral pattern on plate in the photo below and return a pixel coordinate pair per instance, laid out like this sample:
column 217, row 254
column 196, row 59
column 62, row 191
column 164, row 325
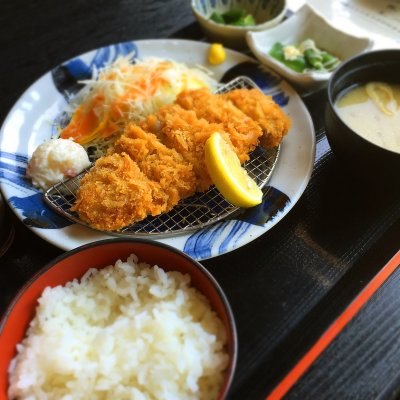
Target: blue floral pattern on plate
column 34, row 211
column 217, row 239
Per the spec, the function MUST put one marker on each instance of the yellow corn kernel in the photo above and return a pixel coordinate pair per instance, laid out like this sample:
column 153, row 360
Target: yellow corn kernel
column 216, row 54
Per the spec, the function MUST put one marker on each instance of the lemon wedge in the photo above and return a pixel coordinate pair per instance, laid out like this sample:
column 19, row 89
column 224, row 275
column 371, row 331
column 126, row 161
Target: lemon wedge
column 230, row 178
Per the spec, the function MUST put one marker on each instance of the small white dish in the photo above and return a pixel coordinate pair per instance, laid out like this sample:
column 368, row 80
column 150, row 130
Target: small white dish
column 266, row 13
column 306, row 23
column 379, row 20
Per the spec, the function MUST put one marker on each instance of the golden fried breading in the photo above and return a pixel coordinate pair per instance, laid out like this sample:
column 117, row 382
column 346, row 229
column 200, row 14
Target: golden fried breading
column 160, row 164
column 139, row 177
column 152, row 167
column 114, row 193
column 181, row 130
column 243, row 131
column 263, row 110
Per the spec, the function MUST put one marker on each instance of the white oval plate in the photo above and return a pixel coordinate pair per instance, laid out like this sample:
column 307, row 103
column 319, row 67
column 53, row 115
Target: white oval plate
column 31, row 122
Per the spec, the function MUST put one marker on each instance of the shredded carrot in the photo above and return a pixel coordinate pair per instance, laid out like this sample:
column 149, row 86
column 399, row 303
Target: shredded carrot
column 123, row 92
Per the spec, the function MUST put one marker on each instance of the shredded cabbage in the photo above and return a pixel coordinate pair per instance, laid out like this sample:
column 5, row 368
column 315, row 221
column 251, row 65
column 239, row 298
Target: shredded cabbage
column 123, row 92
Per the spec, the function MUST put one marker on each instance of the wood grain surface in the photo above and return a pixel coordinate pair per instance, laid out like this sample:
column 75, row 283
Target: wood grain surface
column 38, row 35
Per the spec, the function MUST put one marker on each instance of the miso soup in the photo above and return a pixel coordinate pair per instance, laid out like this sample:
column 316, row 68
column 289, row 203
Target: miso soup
column 373, row 111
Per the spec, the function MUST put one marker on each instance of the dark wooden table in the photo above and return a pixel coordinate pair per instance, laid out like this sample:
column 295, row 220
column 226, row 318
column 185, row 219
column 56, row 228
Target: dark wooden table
column 286, row 287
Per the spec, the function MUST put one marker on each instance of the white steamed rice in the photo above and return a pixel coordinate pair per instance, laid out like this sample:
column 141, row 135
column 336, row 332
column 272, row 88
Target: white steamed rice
column 129, row 331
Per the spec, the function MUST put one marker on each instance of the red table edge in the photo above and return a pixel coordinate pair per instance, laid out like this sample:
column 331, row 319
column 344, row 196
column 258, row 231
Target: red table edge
column 334, row 330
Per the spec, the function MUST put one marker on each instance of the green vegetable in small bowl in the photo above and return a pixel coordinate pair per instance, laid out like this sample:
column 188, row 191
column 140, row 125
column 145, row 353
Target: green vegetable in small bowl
column 236, row 17
column 304, row 57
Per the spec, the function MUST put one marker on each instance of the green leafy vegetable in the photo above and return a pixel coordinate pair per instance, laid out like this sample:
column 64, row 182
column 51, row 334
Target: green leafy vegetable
column 298, row 64
column 314, row 58
column 248, row 20
column 233, row 15
column 304, row 57
column 217, row 18
column 236, row 17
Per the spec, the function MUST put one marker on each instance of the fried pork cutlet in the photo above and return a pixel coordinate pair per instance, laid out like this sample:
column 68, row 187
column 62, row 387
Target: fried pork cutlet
column 181, row 130
column 139, row 177
column 151, row 168
column 173, row 177
column 243, row 131
column 263, row 110
column 114, row 193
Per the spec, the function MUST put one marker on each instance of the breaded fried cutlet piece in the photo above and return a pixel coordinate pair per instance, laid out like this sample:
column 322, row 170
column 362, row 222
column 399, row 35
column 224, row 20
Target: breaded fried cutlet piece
column 243, row 131
column 263, row 110
column 139, row 177
column 181, row 130
column 173, row 177
column 114, row 193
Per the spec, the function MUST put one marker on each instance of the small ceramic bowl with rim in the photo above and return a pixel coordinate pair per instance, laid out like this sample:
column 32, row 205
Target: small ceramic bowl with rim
column 306, row 23
column 267, row 14
column 75, row 263
column 367, row 157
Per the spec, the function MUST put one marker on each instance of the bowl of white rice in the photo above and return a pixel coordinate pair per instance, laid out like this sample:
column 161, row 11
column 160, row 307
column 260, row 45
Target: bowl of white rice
column 119, row 319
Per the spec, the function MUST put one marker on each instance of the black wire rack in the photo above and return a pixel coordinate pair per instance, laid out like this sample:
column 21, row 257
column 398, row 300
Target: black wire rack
column 190, row 214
